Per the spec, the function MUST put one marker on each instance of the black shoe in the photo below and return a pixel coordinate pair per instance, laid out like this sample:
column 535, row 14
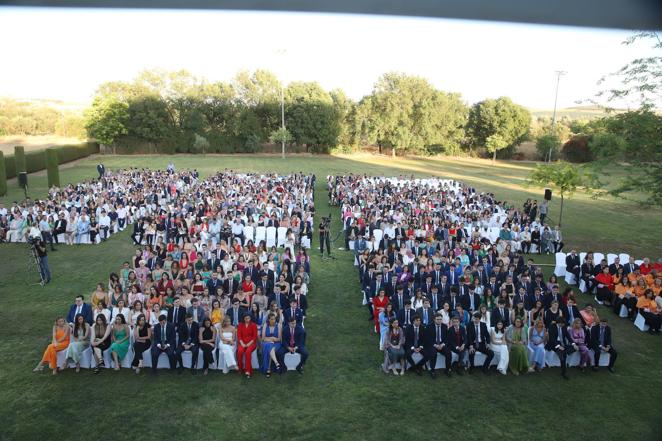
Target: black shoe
column 610, row 369
column 448, row 372
column 300, row 370
column 433, row 374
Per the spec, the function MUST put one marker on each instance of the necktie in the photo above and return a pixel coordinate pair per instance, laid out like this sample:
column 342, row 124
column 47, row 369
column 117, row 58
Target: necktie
column 477, row 334
column 174, row 315
column 77, row 310
column 163, row 335
column 195, row 317
column 560, row 337
column 570, row 313
column 438, row 334
column 407, row 316
column 415, row 337
column 425, row 315
column 602, row 336
column 236, row 319
column 503, row 317
column 188, row 340
column 400, row 300
column 291, row 337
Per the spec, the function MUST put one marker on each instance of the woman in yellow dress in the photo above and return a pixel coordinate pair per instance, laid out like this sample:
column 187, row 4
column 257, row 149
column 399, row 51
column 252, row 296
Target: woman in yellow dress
column 216, row 315
column 61, row 337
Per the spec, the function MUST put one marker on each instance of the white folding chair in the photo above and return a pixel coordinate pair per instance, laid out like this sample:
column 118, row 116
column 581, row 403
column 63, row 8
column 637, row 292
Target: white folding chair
column 379, row 234
column 282, row 236
column 611, row 258
column 559, row 270
column 624, row 257
column 639, row 262
column 249, row 234
column 271, row 236
column 292, row 360
column 260, row 234
column 640, row 323
column 552, row 359
column 597, row 258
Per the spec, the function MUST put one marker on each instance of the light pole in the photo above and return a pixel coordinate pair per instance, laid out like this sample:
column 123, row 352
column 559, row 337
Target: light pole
column 281, row 52
column 559, row 73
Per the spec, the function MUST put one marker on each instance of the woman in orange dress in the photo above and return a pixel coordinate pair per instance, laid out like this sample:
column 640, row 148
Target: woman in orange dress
column 61, row 337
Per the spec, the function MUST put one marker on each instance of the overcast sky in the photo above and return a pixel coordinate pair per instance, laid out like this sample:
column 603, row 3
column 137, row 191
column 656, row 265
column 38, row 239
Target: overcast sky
column 65, row 54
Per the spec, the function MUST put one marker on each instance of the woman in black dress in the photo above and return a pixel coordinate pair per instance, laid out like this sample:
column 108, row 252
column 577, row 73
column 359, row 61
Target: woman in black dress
column 142, row 340
column 207, row 339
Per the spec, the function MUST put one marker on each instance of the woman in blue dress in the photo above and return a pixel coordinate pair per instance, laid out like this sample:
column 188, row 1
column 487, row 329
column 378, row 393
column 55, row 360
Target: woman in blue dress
column 271, row 338
column 384, row 323
column 537, row 340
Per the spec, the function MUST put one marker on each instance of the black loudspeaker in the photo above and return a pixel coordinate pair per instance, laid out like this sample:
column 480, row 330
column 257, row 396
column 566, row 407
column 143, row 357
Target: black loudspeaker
column 548, row 194
column 23, row 179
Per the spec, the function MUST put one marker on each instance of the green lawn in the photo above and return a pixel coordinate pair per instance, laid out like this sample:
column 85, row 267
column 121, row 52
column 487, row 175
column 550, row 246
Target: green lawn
column 343, row 394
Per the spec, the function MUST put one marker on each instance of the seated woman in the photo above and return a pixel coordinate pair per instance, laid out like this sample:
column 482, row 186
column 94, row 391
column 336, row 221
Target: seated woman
column 385, row 317
column 142, row 341
column 136, row 310
column 207, row 340
column 120, row 340
column 578, row 338
column 99, row 295
column 589, row 315
column 537, row 341
column 100, row 309
column 216, row 315
column 60, row 342
column 100, row 340
column 121, row 309
column 394, row 347
column 648, row 308
column 228, row 336
column 271, row 339
column 499, row 346
column 81, row 340
column 624, row 296
column 517, row 339
column 605, row 287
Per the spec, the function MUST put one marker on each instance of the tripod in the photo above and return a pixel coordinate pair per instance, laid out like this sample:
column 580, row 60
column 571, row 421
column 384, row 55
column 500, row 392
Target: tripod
column 33, row 264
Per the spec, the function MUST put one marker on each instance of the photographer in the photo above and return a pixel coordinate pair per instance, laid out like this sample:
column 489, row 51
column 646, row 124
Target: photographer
column 40, row 251
column 324, row 235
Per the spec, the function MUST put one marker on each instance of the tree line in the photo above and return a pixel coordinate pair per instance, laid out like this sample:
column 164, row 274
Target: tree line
column 173, row 111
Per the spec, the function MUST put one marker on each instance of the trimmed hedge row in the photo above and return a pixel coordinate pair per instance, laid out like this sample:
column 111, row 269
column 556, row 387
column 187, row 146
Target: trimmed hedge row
column 36, row 160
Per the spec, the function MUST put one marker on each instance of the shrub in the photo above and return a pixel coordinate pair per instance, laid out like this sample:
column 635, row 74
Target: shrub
column 19, row 154
column 545, row 144
column 253, row 143
column 3, row 175
column 577, row 150
column 52, row 165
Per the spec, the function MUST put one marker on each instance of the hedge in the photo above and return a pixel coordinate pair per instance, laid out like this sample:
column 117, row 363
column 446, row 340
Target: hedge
column 36, row 160
column 19, row 154
column 3, row 175
column 52, row 165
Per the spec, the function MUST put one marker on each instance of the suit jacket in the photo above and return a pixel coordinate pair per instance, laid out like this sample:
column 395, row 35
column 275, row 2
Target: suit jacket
column 169, row 337
column 302, row 302
column 299, row 336
column 450, row 337
column 184, row 334
column 496, row 315
column 575, row 314
column 281, row 300
column 213, row 285
column 431, row 337
column 396, row 299
column 200, row 310
column 595, row 337
column 430, row 316
column 298, row 313
column 410, row 337
column 465, row 301
column 402, row 316
column 86, row 310
column 267, row 288
column 553, row 338
column 571, row 262
column 471, row 334
column 239, row 316
column 181, row 315
column 226, row 287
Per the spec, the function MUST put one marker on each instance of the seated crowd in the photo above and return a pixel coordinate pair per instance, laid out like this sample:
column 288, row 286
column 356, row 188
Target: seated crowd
column 96, row 208
column 436, row 284
column 628, row 288
column 204, row 292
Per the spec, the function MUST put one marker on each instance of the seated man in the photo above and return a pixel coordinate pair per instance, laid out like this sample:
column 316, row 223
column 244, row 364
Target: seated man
column 188, row 341
column 415, row 343
column 601, row 342
column 196, row 311
column 406, row 315
column 79, row 307
column 163, row 341
column 293, row 311
column 559, row 341
column 293, row 341
column 457, row 340
column 478, row 339
column 436, row 344
column 572, row 265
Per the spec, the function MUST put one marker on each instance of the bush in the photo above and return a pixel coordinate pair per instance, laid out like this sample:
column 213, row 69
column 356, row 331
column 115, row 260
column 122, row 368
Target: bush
column 545, row 144
column 52, row 165
column 608, row 145
column 3, row 175
column 36, row 159
column 19, row 154
column 253, row 143
column 577, row 150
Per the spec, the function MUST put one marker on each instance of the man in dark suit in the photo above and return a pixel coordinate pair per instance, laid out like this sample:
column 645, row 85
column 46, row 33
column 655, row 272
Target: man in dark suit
column 293, row 341
column 478, row 339
column 196, row 311
column 500, row 313
column 230, row 286
column 235, row 312
column 415, row 343
column 601, row 342
column 470, row 301
column 279, row 297
column 60, row 227
column 293, row 312
column 426, row 313
column 630, row 266
column 266, row 284
column 453, row 299
column 302, row 300
column 406, row 315
column 163, row 342
column 559, row 342
column 188, row 341
column 398, row 299
column 80, row 307
column 571, row 312
column 572, row 264
column 176, row 314
column 436, row 344
column 436, row 300
column 215, row 284
column 444, row 286
column 457, row 341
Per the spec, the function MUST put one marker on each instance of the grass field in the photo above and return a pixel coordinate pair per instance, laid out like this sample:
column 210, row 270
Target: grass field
column 343, row 394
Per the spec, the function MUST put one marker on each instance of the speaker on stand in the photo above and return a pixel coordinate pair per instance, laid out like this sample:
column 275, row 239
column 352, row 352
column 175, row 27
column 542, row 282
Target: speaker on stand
column 548, row 194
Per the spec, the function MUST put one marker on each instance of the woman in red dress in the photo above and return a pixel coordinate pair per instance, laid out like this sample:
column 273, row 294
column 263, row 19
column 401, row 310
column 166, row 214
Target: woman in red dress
column 248, row 288
column 379, row 303
column 246, row 343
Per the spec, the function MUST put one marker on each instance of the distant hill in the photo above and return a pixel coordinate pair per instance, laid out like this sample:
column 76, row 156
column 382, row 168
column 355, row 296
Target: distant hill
column 577, row 112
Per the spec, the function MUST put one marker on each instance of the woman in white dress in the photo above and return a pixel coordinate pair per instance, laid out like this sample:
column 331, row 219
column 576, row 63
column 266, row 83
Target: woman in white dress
column 79, row 342
column 226, row 347
column 70, row 229
column 499, row 346
column 121, row 309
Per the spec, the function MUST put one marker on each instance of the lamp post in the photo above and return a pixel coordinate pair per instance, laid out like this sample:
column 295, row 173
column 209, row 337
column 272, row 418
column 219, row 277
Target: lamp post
column 559, row 73
column 281, row 52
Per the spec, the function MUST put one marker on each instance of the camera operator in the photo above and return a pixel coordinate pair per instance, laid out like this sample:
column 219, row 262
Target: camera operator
column 324, row 235
column 40, row 250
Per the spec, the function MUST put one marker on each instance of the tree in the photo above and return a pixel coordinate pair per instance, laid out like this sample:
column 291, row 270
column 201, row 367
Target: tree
column 547, row 146
column 107, row 119
column 52, row 169
column 281, row 135
column 3, row 175
column 200, row 144
column 498, row 117
column 19, row 159
column 565, row 178
column 311, row 116
column 494, row 143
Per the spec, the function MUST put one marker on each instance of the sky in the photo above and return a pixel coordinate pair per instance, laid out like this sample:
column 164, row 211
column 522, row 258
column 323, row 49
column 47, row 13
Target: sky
column 65, row 54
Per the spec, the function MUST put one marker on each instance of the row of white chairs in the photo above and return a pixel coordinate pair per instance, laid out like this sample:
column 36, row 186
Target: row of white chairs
column 560, row 266
column 271, row 235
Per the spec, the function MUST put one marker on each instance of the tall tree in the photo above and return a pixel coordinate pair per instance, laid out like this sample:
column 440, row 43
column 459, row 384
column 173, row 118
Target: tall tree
column 502, row 117
column 107, row 118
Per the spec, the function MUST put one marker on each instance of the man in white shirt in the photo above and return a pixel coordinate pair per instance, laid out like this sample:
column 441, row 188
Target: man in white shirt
column 104, row 224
